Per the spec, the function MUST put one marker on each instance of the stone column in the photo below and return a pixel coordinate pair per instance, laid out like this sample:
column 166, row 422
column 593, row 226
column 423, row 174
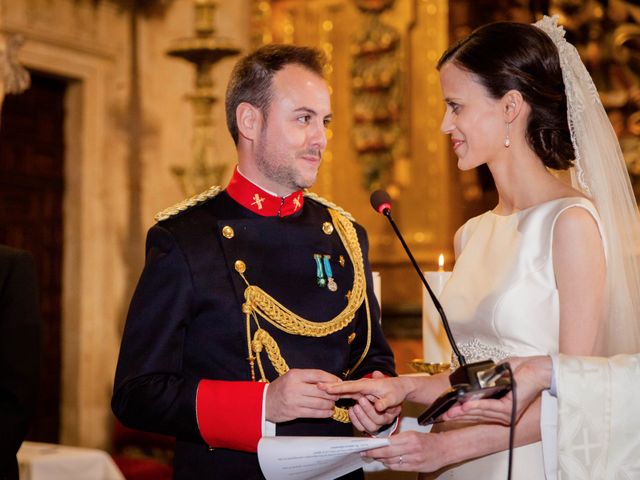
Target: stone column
column 3, row 46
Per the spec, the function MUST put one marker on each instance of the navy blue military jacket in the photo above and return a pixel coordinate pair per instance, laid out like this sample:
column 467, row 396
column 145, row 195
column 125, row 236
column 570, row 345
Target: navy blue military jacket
column 185, row 322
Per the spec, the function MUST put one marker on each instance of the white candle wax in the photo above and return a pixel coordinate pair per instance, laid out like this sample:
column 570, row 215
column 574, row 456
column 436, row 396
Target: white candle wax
column 377, row 289
column 435, row 346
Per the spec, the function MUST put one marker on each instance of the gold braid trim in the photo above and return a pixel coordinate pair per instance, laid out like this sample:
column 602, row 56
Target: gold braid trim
column 341, row 414
column 327, row 203
column 259, row 302
column 262, row 340
column 368, row 344
column 187, row 204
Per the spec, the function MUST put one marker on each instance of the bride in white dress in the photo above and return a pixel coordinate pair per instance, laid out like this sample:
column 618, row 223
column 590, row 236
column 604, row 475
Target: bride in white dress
column 549, row 268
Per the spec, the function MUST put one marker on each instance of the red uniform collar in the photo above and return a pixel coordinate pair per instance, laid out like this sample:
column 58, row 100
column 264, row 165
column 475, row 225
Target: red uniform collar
column 254, row 198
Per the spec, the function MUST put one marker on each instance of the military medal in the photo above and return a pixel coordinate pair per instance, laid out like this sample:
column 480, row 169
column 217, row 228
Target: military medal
column 331, row 283
column 324, row 274
column 320, row 280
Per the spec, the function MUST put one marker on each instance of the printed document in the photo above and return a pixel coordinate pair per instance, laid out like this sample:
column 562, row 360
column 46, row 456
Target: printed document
column 313, row 458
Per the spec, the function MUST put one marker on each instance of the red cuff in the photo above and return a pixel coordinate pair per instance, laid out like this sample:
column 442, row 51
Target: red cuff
column 229, row 414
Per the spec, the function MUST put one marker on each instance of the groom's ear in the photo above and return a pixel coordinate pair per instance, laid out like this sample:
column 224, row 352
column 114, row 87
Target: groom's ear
column 249, row 119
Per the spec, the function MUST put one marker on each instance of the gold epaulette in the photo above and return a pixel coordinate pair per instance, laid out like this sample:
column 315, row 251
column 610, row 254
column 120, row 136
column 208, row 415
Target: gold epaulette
column 187, row 204
column 329, row 204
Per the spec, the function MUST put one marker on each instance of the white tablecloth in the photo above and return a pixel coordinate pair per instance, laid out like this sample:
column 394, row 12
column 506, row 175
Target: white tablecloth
column 47, row 461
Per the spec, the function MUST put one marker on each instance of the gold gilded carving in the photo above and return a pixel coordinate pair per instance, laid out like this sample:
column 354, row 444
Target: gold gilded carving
column 326, row 45
column 261, row 23
column 204, row 49
column 376, row 92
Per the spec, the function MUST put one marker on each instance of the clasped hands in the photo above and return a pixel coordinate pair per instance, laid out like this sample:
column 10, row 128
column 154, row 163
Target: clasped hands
column 313, row 393
column 306, row 393
column 409, row 451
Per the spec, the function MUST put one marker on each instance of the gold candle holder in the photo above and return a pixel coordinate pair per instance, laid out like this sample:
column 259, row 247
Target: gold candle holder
column 420, row 366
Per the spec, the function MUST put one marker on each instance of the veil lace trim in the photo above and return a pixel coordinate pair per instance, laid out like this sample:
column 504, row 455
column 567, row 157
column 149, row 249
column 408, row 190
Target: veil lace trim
column 600, row 173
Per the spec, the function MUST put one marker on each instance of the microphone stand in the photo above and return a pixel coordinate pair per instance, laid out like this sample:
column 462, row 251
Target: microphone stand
column 483, row 379
column 461, row 360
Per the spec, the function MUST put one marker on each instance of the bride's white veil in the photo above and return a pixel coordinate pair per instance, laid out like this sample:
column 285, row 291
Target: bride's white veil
column 600, row 173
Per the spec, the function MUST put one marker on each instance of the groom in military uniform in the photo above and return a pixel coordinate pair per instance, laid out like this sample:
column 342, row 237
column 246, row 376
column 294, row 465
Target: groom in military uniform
column 253, row 295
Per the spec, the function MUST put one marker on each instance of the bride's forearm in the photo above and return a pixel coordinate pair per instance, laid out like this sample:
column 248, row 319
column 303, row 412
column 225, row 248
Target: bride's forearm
column 424, row 390
column 484, row 439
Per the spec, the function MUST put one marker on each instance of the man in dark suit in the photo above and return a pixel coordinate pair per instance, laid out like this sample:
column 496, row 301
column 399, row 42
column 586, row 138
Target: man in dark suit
column 20, row 326
column 253, row 295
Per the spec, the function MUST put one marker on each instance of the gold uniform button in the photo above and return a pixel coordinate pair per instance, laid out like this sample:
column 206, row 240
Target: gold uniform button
column 240, row 266
column 327, row 228
column 351, row 338
column 227, row 232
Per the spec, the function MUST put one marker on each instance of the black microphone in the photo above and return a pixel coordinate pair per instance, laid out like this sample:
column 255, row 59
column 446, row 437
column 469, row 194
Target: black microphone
column 381, row 203
column 482, row 379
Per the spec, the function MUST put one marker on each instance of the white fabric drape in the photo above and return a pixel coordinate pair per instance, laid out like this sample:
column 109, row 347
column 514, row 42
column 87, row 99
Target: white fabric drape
column 599, row 422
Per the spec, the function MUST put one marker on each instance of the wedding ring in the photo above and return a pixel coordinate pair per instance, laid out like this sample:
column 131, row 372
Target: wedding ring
column 400, row 461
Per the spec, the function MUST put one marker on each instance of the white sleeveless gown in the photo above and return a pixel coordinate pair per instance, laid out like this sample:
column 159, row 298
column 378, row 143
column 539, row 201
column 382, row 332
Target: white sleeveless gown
column 502, row 300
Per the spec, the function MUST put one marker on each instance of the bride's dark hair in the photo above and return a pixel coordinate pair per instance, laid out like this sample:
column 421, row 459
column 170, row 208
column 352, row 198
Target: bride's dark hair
column 507, row 56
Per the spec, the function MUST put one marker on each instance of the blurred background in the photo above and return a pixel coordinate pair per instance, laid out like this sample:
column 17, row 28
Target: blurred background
column 123, row 116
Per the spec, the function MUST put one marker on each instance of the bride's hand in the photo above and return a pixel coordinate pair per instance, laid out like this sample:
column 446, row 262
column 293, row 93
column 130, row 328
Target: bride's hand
column 412, row 452
column 385, row 393
column 366, row 418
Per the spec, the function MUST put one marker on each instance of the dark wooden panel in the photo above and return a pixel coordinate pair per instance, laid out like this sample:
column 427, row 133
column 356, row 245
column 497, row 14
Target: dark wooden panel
column 31, row 189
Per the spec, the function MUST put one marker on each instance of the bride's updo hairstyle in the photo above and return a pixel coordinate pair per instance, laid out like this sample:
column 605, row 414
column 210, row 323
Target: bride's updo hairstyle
column 507, row 56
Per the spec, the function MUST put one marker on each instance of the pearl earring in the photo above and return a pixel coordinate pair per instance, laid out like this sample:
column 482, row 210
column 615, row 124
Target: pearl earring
column 507, row 140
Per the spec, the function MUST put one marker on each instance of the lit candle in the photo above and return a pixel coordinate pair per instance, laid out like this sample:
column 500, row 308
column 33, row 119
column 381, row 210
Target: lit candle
column 435, row 346
column 377, row 288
